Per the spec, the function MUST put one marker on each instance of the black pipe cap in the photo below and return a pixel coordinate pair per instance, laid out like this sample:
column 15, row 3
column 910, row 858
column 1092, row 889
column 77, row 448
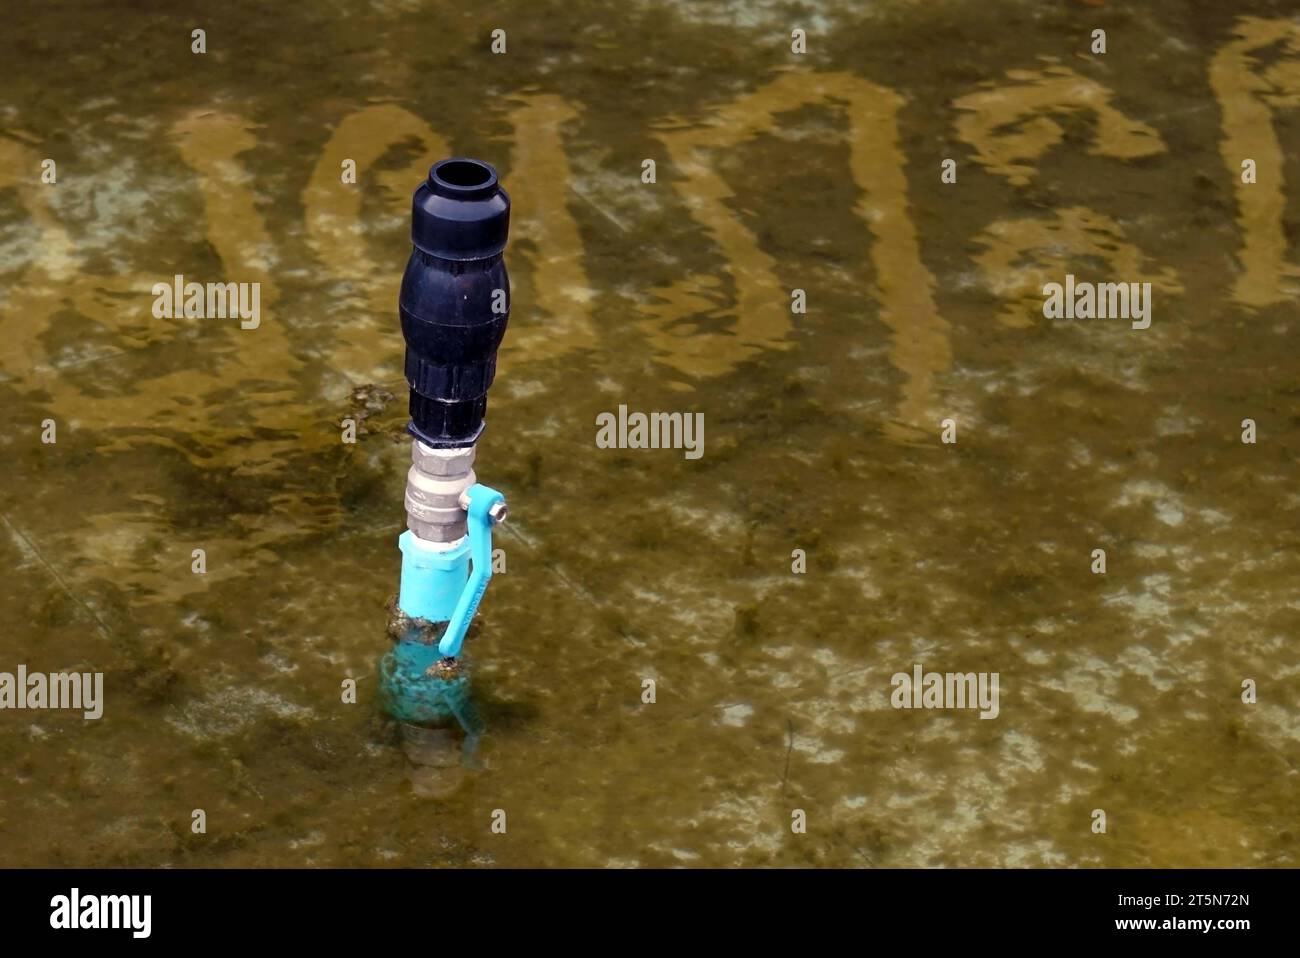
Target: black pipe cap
column 460, row 212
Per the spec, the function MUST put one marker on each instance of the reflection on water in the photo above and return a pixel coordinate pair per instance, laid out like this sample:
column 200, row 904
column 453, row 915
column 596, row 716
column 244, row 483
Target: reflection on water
column 1024, row 255
column 762, row 314
column 1250, row 94
column 774, row 173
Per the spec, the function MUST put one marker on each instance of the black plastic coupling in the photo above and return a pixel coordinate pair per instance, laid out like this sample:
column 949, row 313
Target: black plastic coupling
column 455, row 300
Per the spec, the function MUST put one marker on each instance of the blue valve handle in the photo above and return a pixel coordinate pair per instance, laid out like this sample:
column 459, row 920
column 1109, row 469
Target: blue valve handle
column 481, row 499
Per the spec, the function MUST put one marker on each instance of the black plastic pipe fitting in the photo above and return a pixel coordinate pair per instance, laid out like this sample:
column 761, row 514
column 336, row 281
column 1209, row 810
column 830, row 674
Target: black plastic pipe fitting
column 455, row 300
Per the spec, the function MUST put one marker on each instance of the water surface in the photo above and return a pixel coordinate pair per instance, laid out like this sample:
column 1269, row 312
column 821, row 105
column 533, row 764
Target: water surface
column 775, row 172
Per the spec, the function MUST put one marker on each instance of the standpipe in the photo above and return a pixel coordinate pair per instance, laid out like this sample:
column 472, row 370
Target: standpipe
column 454, row 305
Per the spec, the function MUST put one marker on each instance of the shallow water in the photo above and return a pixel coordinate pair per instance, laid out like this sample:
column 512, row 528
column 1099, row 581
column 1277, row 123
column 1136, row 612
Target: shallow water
column 775, row 171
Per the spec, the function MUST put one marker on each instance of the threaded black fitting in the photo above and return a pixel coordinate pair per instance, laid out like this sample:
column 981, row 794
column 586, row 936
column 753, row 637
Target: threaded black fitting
column 455, row 300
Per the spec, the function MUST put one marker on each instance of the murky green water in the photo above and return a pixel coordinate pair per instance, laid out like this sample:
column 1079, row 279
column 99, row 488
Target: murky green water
column 775, row 172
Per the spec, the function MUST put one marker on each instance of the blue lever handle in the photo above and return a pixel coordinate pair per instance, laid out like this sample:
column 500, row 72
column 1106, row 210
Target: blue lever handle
column 481, row 500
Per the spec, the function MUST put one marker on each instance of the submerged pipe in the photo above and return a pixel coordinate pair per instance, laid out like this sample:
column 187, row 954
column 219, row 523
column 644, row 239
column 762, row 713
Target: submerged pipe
column 454, row 306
